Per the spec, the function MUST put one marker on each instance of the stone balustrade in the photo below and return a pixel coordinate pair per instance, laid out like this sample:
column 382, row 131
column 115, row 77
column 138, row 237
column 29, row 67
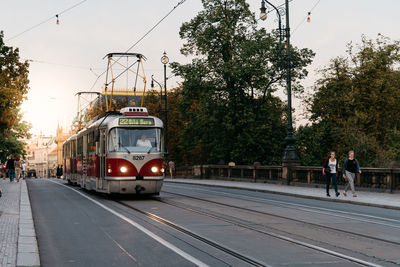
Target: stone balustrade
column 377, row 179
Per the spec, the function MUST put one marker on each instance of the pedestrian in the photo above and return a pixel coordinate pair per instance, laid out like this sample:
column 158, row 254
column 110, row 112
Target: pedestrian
column 18, row 168
column 330, row 169
column 23, row 165
column 59, row 171
column 11, row 168
column 4, row 170
column 349, row 170
column 171, row 166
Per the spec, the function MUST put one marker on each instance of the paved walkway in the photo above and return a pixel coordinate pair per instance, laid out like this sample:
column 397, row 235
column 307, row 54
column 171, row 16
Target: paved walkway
column 18, row 245
column 385, row 200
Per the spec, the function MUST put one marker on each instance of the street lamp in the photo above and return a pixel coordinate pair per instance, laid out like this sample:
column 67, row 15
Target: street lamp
column 165, row 60
column 290, row 157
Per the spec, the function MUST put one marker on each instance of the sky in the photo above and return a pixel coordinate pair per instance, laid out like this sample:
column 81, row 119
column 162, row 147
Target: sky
column 68, row 57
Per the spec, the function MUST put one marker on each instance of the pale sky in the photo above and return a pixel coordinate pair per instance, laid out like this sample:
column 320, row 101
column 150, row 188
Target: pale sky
column 65, row 53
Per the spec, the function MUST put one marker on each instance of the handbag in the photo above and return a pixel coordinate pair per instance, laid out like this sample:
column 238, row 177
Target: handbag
column 327, row 170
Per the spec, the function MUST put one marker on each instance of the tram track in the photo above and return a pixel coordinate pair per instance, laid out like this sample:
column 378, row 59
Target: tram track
column 283, row 237
column 207, row 241
column 242, row 225
column 288, row 218
column 314, row 209
column 233, row 253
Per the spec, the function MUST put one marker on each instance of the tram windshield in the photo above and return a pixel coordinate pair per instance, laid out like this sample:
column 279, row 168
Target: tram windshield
column 134, row 140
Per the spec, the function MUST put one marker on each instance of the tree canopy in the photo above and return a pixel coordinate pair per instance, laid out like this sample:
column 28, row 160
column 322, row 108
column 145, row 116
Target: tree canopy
column 355, row 105
column 227, row 99
column 13, row 89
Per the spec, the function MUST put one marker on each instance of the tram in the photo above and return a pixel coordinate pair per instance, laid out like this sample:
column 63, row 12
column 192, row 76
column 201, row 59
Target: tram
column 121, row 152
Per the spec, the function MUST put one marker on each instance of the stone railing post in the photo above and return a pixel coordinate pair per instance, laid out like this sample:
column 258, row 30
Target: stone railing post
column 287, row 171
column 390, row 183
column 255, row 173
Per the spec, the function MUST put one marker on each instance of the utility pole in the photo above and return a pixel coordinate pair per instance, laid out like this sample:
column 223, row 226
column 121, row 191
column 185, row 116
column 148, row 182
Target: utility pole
column 165, row 60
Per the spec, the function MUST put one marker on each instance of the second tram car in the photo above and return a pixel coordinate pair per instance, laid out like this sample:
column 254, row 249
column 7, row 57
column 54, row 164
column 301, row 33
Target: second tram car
column 119, row 153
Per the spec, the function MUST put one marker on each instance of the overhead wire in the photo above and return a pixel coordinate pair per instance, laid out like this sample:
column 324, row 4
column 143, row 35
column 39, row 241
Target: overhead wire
column 140, row 39
column 305, row 18
column 61, row 64
column 46, row 20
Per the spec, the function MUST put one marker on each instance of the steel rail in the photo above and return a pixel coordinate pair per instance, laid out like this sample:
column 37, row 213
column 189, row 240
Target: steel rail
column 181, row 229
column 287, row 218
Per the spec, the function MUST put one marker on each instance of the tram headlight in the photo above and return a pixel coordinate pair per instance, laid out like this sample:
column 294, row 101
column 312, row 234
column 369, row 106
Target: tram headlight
column 109, row 170
column 162, row 170
column 154, row 169
column 123, row 169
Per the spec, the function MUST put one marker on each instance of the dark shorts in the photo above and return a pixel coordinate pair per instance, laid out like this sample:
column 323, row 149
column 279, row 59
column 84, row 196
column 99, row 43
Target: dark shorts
column 11, row 174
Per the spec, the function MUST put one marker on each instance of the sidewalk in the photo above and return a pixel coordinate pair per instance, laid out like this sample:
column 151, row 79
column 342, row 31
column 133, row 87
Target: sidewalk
column 18, row 245
column 381, row 200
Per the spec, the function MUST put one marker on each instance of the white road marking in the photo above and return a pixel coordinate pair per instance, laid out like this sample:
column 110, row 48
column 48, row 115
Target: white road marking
column 141, row 228
column 307, row 208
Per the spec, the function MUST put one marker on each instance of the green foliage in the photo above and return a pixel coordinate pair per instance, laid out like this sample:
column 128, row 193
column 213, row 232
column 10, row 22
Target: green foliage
column 13, row 88
column 175, row 121
column 227, row 98
column 358, row 97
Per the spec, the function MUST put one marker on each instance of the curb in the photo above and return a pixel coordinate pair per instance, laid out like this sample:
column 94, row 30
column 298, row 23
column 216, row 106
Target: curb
column 290, row 194
column 27, row 251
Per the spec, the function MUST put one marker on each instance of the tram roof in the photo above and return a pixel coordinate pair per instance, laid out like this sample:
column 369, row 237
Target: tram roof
column 119, row 54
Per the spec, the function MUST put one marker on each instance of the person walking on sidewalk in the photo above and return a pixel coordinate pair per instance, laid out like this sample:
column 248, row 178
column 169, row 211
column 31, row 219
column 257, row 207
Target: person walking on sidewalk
column 330, row 169
column 18, row 168
column 4, row 170
column 23, row 165
column 171, row 166
column 349, row 170
column 11, row 168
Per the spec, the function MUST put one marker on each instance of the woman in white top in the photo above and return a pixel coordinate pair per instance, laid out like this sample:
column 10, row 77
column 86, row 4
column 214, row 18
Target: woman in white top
column 330, row 170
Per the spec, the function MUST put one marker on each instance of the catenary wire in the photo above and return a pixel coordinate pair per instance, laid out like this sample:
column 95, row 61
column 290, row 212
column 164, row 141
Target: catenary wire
column 305, row 18
column 46, row 20
column 140, row 39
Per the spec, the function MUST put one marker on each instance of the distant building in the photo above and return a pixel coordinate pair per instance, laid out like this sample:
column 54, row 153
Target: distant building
column 38, row 158
column 61, row 136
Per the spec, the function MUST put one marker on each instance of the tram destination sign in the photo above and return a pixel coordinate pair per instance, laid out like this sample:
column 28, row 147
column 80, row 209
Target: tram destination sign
column 136, row 121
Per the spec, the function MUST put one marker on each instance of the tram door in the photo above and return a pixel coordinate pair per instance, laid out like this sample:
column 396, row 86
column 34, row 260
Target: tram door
column 101, row 185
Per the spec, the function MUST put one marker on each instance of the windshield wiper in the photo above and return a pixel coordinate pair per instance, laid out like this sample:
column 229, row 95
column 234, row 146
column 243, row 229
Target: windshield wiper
column 120, row 145
column 148, row 151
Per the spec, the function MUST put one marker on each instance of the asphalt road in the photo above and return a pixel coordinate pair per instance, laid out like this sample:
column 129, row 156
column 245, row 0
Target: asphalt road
column 190, row 225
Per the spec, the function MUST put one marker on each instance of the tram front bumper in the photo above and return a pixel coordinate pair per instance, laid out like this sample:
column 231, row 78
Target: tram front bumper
column 133, row 186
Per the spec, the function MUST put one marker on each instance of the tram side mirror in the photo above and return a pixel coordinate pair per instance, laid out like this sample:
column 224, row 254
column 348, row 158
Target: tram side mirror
column 97, row 147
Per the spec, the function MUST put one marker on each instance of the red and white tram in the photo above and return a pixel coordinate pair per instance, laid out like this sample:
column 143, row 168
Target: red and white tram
column 119, row 153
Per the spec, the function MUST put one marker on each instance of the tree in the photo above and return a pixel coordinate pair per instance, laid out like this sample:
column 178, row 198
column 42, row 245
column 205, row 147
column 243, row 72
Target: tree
column 358, row 96
column 227, row 90
column 175, row 121
column 13, row 89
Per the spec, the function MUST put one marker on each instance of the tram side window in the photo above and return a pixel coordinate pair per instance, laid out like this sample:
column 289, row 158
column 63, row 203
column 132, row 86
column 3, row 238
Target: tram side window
column 112, row 141
column 73, row 150
column 91, row 142
column 80, row 145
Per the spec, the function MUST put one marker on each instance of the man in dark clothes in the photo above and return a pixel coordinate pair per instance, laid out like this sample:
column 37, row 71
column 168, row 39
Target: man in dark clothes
column 11, row 169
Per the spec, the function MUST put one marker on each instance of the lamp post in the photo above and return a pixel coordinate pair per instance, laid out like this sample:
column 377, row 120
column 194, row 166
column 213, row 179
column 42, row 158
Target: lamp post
column 290, row 157
column 165, row 60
